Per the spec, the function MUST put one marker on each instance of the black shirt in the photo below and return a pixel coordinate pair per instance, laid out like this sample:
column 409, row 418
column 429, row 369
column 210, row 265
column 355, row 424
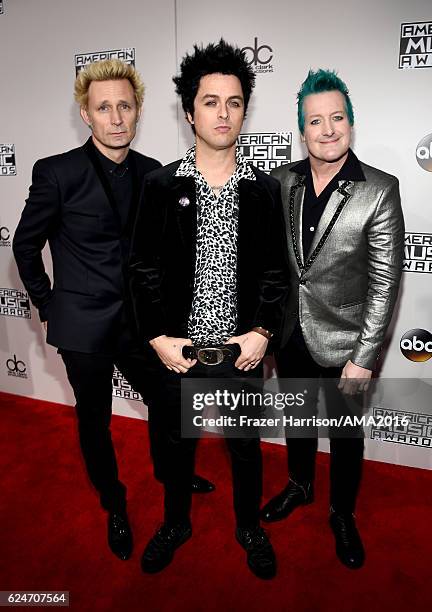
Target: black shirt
column 120, row 178
column 313, row 205
column 121, row 183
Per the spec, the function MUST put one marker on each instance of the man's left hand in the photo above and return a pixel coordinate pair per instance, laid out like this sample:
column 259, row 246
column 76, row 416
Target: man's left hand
column 253, row 347
column 354, row 379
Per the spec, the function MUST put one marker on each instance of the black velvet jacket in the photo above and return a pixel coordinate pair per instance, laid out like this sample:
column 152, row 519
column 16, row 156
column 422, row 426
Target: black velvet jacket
column 162, row 262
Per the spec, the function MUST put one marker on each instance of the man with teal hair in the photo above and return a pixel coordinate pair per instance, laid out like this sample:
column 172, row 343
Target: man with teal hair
column 345, row 227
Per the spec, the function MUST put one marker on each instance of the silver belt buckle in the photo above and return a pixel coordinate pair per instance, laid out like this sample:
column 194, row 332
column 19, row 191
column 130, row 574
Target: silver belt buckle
column 210, row 356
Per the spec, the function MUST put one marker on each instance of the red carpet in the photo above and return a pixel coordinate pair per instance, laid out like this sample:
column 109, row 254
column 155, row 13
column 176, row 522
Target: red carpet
column 53, row 534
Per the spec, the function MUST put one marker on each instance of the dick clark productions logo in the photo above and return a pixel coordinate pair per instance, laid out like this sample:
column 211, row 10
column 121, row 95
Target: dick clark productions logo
column 4, row 236
column 416, row 345
column 16, row 367
column 259, row 57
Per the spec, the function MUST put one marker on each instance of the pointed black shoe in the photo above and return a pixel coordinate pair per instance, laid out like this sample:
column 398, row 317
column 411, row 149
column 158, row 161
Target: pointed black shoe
column 349, row 547
column 281, row 506
column 120, row 535
column 202, row 485
column 260, row 554
column 159, row 551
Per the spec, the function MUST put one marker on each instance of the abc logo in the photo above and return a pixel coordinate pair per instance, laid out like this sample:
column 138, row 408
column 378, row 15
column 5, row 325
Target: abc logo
column 258, row 55
column 424, row 153
column 16, row 365
column 416, row 345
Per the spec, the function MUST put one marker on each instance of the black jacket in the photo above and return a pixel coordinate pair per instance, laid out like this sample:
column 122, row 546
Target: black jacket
column 71, row 205
column 162, row 262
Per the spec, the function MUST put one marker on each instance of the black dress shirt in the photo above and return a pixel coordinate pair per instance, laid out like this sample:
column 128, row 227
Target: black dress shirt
column 121, row 180
column 121, row 183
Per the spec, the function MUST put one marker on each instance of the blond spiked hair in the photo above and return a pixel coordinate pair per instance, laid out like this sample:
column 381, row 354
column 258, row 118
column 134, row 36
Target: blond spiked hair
column 107, row 70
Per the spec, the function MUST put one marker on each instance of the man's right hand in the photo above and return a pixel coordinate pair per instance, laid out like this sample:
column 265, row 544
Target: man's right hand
column 169, row 351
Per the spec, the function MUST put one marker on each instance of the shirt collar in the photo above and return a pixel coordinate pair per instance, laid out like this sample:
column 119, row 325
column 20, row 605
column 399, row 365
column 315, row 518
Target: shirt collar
column 188, row 167
column 350, row 171
column 111, row 167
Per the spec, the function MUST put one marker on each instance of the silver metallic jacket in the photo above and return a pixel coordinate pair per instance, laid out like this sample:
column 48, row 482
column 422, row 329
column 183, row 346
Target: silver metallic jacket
column 345, row 292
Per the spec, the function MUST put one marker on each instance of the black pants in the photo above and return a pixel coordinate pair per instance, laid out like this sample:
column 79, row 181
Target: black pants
column 90, row 375
column 179, row 453
column 346, row 453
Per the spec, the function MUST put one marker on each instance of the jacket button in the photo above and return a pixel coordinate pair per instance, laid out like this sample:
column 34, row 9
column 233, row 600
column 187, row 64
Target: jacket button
column 302, row 281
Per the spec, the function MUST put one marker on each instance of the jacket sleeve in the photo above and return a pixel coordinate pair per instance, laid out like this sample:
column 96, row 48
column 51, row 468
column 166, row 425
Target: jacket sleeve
column 385, row 236
column 144, row 263
column 274, row 275
column 38, row 220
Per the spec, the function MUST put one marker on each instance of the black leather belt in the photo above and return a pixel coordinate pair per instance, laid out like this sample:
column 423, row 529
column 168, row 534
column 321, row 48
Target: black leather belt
column 212, row 355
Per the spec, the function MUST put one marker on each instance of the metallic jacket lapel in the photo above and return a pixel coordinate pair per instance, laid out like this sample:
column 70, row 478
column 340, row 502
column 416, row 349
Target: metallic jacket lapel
column 295, row 213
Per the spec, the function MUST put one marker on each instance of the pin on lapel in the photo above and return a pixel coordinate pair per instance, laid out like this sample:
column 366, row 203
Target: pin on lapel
column 184, row 201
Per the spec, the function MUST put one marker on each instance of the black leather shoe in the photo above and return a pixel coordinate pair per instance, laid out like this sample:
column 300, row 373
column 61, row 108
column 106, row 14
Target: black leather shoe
column 260, row 554
column 159, row 551
column 120, row 535
column 281, row 506
column 201, row 485
column 349, row 547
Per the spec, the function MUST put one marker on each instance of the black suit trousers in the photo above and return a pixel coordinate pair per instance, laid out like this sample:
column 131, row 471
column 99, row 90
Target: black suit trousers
column 179, row 452
column 346, row 453
column 90, row 375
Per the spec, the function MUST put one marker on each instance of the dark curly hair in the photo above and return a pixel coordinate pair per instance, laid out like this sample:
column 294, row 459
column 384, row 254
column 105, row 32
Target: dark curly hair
column 220, row 58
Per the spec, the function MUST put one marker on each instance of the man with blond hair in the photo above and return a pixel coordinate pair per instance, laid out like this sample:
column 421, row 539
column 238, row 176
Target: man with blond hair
column 83, row 202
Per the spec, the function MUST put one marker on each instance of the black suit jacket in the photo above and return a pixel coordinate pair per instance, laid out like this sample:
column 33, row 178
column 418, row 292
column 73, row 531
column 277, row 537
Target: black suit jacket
column 71, row 205
column 162, row 262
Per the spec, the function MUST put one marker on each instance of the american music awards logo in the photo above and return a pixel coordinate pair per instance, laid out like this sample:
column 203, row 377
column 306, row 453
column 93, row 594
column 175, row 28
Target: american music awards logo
column 121, row 387
column 14, row 303
column 126, row 55
column 7, row 160
column 417, row 430
column 16, row 367
column 415, row 50
column 266, row 150
column 259, row 57
column 417, row 253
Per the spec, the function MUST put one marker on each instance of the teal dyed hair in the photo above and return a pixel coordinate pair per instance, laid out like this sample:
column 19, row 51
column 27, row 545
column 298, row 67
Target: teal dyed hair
column 319, row 82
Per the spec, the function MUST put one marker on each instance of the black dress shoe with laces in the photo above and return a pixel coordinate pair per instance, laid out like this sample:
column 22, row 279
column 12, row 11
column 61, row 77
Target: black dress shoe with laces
column 120, row 535
column 281, row 506
column 201, row 485
column 159, row 551
column 349, row 547
column 260, row 554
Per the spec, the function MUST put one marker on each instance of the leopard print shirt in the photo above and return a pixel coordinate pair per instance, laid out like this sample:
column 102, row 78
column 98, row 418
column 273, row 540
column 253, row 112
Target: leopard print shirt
column 213, row 317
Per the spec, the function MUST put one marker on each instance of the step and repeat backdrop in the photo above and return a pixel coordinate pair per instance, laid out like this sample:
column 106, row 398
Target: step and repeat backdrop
column 383, row 51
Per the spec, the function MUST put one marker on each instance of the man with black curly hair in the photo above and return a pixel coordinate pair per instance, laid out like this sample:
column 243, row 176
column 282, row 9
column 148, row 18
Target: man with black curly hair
column 209, row 280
